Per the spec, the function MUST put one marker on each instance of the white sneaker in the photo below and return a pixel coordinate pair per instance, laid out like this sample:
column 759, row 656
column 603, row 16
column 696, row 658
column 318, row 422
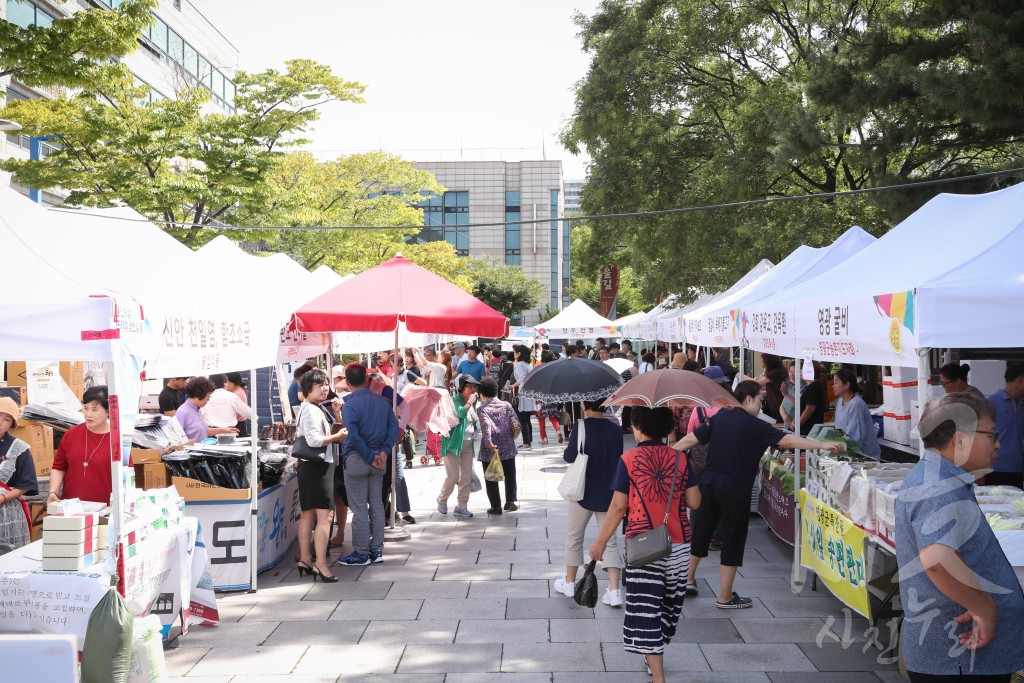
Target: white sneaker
column 612, row 598
column 543, row 442
column 566, row 588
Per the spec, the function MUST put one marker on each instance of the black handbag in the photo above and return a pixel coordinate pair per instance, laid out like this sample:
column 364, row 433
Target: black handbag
column 585, row 593
column 301, row 450
column 651, row 546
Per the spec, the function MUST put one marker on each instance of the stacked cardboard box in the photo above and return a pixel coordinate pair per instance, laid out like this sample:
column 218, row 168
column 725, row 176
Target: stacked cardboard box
column 39, row 438
column 73, row 542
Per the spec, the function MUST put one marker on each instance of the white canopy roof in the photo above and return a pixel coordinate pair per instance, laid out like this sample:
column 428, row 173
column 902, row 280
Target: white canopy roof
column 721, row 322
column 576, row 321
column 950, row 275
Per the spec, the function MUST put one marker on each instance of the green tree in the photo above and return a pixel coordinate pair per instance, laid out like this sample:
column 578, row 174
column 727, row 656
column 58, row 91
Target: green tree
column 70, row 52
column 587, row 260
column 374, row 189
column 506, row 289
column 170, row 159
column 697, row 102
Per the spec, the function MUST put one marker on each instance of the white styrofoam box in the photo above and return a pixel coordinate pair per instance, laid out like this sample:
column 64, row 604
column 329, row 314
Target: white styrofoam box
column 986, row 375
column 897, row 427
column 898, row 393
column 885, row 506
column 861, row 508
column 901, row 374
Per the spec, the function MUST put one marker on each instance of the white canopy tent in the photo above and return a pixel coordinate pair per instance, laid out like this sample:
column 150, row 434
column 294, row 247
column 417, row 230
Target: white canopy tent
column 724, row 321
column 620, row 325
column 575, row 321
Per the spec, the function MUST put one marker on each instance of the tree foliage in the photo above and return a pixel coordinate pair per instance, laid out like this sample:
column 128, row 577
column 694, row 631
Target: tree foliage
column 506, row 289
column 171, row 159
column 70, row 53
column 698, row 102
column 586, row 276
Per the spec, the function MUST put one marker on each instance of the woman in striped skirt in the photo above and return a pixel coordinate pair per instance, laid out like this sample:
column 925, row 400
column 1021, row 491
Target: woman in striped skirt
column 654, row 592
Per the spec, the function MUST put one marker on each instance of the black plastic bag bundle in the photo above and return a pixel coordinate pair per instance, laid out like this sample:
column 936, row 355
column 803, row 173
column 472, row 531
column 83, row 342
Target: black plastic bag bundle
column 107, row 652
column 585, row 593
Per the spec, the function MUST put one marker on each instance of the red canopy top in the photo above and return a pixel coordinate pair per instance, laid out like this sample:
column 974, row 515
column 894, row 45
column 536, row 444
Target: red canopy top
column 399, row 290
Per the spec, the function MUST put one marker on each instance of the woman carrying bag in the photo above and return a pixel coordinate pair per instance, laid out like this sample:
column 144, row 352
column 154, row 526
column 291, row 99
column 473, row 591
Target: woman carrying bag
column 601, row 440
column 499, row 428
column 656, row 485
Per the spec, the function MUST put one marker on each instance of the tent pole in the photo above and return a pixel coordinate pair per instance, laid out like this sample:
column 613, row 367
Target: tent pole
column 796, row 580
column 923, row 376
column 254, row 476
column 392, row 532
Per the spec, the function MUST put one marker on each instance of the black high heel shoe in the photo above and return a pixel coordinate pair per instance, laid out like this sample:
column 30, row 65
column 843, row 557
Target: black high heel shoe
column 323, row 577
column 303, row 567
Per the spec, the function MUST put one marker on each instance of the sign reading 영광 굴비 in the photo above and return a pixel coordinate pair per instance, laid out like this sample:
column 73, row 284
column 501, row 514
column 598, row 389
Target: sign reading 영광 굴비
column 832, row 547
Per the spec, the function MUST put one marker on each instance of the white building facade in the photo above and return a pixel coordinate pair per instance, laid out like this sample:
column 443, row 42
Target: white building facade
column 181, row 49
column 502, row 193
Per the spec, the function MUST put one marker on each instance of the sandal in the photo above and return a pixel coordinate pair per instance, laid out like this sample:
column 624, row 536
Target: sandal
column 736, row 603
column 332, row 544
column 690, row 589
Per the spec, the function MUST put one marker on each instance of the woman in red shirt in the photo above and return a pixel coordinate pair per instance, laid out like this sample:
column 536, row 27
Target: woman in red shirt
column 82, row 463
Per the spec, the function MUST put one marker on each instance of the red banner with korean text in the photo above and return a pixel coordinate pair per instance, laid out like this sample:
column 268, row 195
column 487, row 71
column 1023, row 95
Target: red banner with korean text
column 609, row 290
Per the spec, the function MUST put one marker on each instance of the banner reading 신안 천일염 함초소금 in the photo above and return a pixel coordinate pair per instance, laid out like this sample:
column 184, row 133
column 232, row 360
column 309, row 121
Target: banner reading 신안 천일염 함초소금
column 876, row 330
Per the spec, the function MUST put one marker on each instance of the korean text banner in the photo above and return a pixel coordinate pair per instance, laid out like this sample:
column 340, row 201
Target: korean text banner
column 832, row 547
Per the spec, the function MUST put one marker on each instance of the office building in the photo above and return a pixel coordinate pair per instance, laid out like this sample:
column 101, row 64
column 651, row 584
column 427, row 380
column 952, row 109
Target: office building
column 573, row 189
column 182, row 48
column 501, row 193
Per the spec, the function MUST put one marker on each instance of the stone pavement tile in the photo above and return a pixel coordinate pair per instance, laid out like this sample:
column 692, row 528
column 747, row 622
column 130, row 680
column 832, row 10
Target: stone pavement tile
column 180, row 660
column 704, row 630
column 462, row 556
column 889, row 676
column 502, row 631
column 833, row 677
column 780, row 629
column 385, row 572
column 524, row 570
column 716, row 677
column 249, row 661
column 555, row 545
column 523, row 588
column 584, row 631
column 420, row 631
column 800, row 606
column 678, row 657
column 755, row 657
column 317, row 633
column 419, row 588
column 751, row 587
column 435, row 556
column 286, row 678
column 538, row 657
column 705, row 608
column 465, row 658
column 763, row 570
column 198, row 679
column 498, row 678
column 846, row 657
column 777, row 552
column 546, row 608
column 368, row 658
column 285, row 591
column 286, row 611
column 487, row 572
column 392, row 678
column 235, row 609
column 349, row 590
column 377, row 610
column 464, row 608
column 514, row 556
column 459, row 542
column 245, row 634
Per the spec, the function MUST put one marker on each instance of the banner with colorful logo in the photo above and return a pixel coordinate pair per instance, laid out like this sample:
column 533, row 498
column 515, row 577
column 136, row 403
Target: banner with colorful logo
column 877, row 330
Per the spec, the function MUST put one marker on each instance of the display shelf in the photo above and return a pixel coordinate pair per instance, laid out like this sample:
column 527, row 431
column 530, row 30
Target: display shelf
column 898, row 446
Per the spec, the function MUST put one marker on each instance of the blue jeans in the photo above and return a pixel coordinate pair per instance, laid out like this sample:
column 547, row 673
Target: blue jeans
column 364, row 485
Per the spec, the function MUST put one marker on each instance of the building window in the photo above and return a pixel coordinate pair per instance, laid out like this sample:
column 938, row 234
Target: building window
column 444, row 218
column 24, row 14
column 566, row 230
column 513, row 231
column 554, row 250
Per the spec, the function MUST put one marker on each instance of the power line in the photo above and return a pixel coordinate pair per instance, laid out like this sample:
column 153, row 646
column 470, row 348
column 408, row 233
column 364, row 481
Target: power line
column 631, row 214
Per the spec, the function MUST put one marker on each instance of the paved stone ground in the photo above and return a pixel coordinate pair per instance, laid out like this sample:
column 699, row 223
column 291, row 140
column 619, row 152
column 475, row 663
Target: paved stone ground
column 471, row 600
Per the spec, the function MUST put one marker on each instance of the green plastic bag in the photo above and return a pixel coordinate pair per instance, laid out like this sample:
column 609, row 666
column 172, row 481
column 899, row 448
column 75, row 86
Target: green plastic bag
column 108, row 641
column 495, row 471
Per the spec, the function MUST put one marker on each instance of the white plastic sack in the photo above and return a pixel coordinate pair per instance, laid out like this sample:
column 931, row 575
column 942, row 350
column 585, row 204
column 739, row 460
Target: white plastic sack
column 147, row 663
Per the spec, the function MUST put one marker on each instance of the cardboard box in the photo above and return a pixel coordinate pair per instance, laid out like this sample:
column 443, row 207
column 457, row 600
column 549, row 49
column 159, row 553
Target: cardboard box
column 146, row 455
column 152, row 475
column 16, row 375
column 39, row 438
column 16, row 394
column 193, row 490
column 72, row 564
column 37, row 509
column 73, row 375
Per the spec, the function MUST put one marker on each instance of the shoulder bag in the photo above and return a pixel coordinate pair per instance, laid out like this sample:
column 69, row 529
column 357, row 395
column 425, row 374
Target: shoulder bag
column 699, row 453
column 513, row 422
column 651, row 546
column 301, row 450
column 574, row 480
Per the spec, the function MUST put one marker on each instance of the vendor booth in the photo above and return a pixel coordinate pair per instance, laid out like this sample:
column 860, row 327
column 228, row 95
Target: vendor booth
column 575, row 321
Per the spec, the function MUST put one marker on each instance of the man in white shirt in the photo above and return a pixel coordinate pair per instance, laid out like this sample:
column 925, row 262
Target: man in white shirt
column 433, row 371
column 458, row 354
column 225, row 408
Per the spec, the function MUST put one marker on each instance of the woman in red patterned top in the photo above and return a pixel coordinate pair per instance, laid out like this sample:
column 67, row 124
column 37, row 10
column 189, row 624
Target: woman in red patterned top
column 642, row 484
